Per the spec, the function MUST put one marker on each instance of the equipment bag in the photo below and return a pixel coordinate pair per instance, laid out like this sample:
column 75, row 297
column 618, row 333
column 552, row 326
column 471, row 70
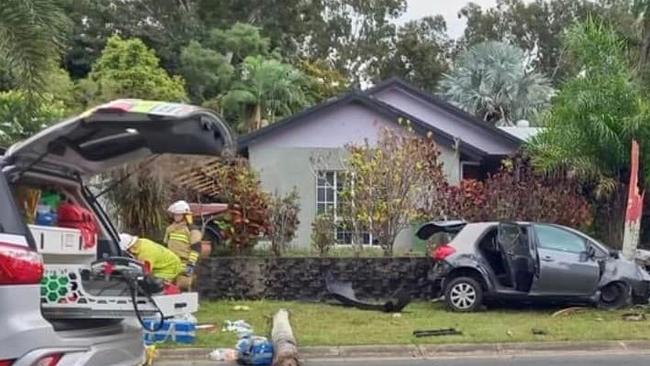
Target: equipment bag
column 73, row 216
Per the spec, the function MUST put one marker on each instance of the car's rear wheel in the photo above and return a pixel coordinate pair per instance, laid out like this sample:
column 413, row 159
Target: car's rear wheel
column 614, row 296
column 463, row 294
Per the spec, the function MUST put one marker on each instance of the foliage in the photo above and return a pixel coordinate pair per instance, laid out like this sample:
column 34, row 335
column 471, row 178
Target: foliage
column 266, row 89
column 128, row 69
column 163, row 25
column 208, row 72
column 247, row 219
column 323, row 81
column 32, row 36
column 21, row 118
column 390, row 181
column 492, row 81
column 595, row 116
column 418, row 53
column 238, row 42
column 323, row 230
column 283, row 212
column 138, row 196
column 537, row 27
column 517, row 193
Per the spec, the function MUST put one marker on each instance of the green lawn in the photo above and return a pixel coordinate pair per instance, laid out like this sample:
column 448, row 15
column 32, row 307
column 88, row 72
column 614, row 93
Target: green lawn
column 319, row 324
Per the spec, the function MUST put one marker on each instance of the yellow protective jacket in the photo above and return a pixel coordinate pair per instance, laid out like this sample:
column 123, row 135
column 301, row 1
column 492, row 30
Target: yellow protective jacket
column 185, row 241
column 164, row 263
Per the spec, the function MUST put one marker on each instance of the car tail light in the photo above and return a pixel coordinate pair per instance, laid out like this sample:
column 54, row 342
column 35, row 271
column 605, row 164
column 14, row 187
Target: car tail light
column 49, row 360
column 6, row 362
column 19, row 266
column 443, row 251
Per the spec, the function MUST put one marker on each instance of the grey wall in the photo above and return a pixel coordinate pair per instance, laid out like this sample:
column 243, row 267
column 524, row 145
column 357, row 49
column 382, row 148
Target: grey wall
column 304, row 278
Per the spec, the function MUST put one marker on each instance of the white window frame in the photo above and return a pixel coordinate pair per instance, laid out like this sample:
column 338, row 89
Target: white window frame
column 334, row 203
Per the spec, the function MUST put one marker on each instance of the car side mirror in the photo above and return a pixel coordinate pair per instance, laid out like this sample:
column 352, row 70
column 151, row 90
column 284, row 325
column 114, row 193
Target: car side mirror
column 614, row 254
column 591, row 252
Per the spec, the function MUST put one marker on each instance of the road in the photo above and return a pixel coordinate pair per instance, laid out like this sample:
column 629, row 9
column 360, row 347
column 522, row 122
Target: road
column 540, row 360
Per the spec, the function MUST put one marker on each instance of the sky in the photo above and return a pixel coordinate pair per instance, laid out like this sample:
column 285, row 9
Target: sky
column 447, row 8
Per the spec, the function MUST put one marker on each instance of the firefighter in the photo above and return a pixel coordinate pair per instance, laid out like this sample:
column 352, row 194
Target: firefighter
column 164, row 263
column 184, row 239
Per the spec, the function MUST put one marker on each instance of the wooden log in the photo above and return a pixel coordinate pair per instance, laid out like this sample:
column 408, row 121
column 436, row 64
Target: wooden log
column 284, row 343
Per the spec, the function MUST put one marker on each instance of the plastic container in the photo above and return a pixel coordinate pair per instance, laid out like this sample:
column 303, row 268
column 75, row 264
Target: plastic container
column 46, row 219
column 178, row 330
column 256, row 351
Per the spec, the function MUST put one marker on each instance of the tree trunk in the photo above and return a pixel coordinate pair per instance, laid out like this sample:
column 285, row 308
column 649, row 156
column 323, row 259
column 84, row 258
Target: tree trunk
column 257, row 117
column 284, row 343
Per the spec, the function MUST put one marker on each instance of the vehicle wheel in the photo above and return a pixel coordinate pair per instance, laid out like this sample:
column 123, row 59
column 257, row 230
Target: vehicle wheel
column 614, row 296
column 463, row 294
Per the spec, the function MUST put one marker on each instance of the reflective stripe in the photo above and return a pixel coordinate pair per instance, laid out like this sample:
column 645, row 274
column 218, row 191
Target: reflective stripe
column 179, row 236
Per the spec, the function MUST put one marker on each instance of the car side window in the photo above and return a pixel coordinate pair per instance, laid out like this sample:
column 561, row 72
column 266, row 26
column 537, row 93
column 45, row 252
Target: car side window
column 554, row 238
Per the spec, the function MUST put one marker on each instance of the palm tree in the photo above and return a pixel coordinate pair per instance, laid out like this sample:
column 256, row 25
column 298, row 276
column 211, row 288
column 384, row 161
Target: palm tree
column 268, row 89
column 493, row 81
column 31, row 37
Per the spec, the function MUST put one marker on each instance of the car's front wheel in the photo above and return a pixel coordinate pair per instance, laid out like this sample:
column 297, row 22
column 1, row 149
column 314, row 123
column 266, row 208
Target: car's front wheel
column 463, row 294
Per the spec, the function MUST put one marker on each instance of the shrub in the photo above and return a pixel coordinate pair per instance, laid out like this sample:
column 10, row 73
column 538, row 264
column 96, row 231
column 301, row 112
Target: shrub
column 517, row 193
column 283, row 212
column 322, row 233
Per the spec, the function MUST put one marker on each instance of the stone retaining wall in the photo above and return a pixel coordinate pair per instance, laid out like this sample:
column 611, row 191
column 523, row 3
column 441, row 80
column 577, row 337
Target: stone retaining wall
column 304, row 278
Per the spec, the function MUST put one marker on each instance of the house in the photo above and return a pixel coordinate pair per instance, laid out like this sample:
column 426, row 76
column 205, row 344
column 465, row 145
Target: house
column 306, row 150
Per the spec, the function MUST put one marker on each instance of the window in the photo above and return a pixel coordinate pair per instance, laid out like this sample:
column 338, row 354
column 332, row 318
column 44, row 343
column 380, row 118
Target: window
column 554, row 238
column 470, row 170
column 329, row 187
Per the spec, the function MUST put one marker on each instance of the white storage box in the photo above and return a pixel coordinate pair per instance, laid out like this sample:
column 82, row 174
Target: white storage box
column 65, row 294
column 59, row 240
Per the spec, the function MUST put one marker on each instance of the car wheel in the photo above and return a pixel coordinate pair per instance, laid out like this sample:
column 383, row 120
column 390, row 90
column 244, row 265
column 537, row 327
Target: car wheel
column 614, row 296
column 463, row 294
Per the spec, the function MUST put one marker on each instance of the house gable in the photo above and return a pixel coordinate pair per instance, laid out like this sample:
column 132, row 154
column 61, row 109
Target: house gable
column 445, row 117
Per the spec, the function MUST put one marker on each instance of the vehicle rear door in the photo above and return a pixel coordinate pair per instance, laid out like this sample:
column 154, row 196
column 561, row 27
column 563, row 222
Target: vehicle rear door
column 565, row 267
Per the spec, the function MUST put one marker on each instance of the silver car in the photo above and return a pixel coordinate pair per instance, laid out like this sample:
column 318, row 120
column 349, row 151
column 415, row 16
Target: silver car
column 68, row 155
column 529, row 261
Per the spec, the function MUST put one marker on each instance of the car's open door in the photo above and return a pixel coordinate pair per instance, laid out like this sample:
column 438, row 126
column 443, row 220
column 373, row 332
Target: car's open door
column 515, row 249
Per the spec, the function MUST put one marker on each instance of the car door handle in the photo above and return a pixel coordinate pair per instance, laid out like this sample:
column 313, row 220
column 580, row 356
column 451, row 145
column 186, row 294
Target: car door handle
column 547, row 259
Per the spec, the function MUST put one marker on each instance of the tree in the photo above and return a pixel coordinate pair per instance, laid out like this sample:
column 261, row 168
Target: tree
column 594, row 119
column 418, row 53
column 323, row 80
column 20, row 118
column 238, row 42
column 128, row 69
column 163, row 25
column 267, row 89
column 390, row 181
column 208, row 72
column 535, row 26
column 32, row 34
column 492, row 81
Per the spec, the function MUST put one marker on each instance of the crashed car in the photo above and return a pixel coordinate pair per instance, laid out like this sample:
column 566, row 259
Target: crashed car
column 530, row 261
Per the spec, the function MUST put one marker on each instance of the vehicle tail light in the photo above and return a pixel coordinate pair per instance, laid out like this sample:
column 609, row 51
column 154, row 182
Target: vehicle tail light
column 19, row 266
column 6, row 362
column 443, row 251
column 49, row 360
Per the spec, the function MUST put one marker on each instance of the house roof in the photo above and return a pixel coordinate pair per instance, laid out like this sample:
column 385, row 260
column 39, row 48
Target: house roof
column 394, row 114
column 522, row 133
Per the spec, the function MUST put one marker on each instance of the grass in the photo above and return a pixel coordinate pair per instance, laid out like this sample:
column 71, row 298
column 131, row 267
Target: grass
column 328, row 325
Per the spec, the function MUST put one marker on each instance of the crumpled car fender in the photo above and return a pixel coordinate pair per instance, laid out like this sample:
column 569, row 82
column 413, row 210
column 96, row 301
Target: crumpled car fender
column 476, row 264
column 628, row 272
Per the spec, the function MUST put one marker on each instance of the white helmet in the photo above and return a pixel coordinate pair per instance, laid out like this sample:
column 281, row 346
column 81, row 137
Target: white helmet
column 127, row 241
column 179, row 208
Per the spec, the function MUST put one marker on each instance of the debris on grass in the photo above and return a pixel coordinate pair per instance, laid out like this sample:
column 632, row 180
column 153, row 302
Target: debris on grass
column 634, row 317
column 569, row 311
column 539, row 332
column 437, row 332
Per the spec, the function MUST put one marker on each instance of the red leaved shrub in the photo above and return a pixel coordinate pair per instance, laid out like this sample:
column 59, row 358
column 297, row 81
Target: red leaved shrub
column 516, row 192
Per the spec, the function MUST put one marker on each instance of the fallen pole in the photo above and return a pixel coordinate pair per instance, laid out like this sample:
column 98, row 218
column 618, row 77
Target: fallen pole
column 284, row 343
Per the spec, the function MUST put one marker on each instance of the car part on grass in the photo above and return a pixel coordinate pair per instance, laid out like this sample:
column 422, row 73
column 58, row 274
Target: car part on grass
column 539, row 332
column 437, row 332
column 344, row 293
column 569, row 311
column 634, row 317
